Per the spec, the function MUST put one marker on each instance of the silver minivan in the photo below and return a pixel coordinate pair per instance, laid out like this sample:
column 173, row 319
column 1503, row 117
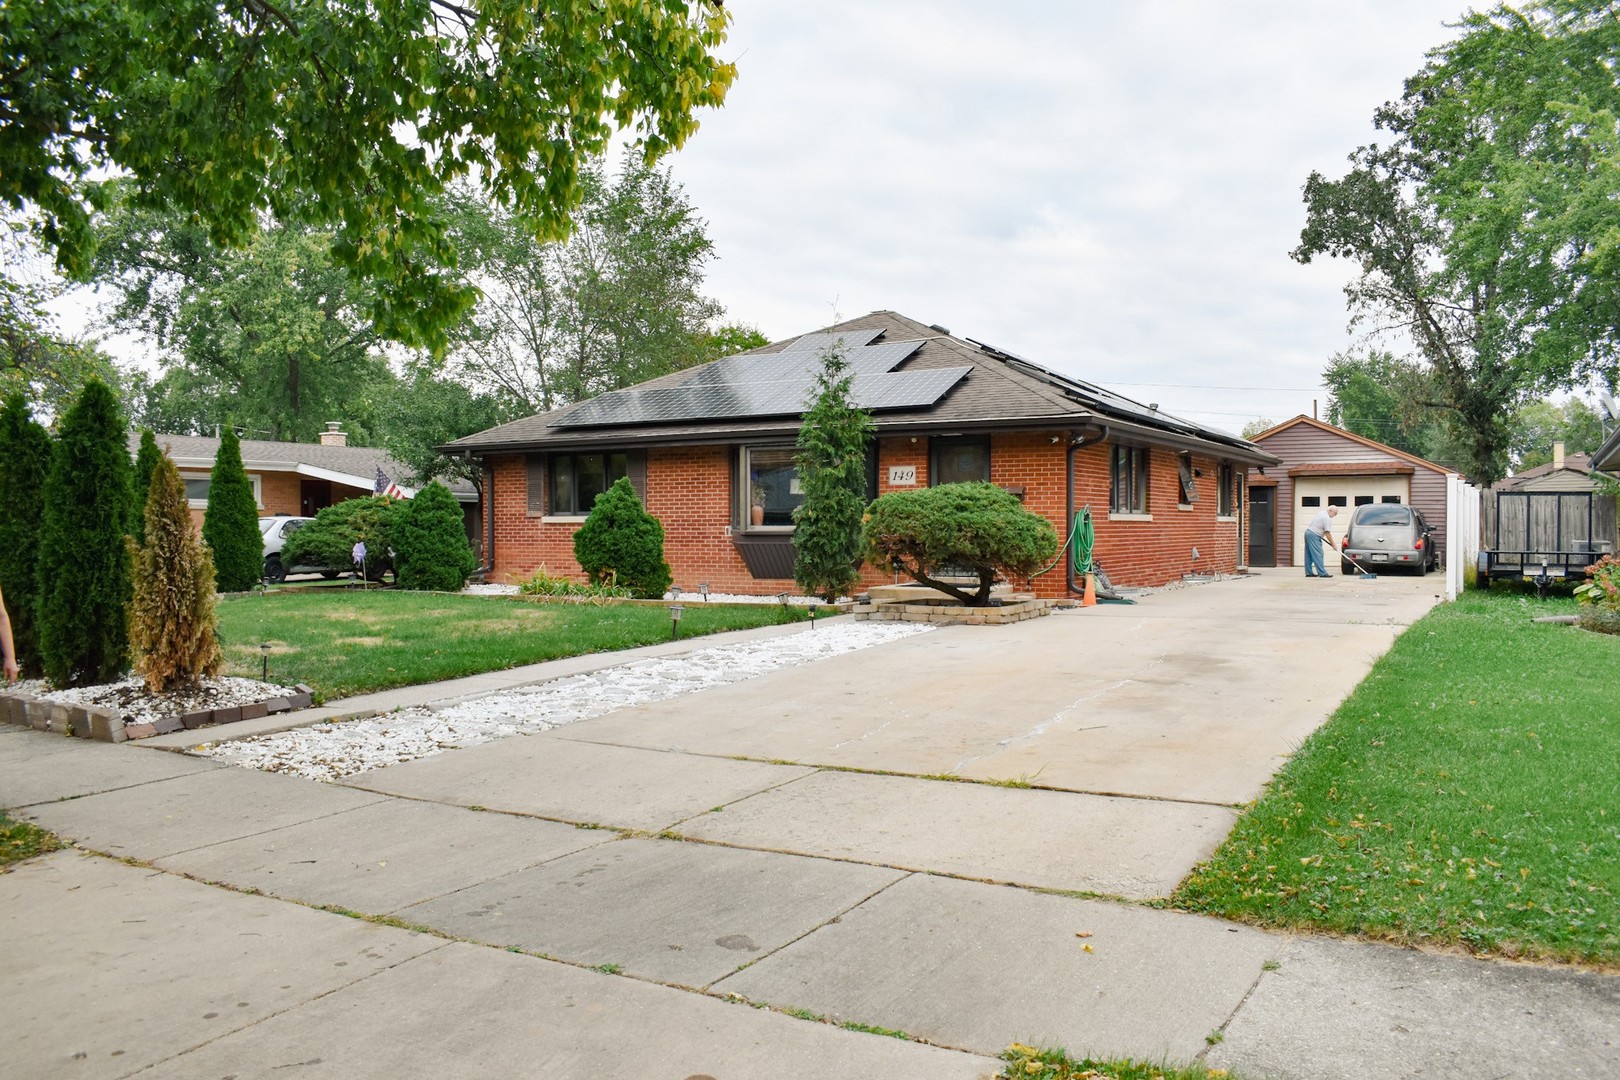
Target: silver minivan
column 1381, row 536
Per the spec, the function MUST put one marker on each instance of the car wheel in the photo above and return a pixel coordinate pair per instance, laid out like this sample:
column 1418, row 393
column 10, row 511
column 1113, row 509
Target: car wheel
column 274, row 572
column 1345, row 568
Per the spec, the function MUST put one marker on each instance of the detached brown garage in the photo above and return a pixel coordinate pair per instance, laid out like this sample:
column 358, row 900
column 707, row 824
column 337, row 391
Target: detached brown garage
column 1327, row 466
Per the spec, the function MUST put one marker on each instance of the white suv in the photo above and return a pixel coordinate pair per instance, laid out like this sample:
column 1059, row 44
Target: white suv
column 275, row 531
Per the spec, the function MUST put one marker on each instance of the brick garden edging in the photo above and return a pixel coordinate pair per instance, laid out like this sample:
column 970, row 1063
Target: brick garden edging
column 107, row 725
column 947, row 611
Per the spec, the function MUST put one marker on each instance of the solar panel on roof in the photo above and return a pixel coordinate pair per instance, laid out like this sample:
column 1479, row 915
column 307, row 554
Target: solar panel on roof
column 774, row 384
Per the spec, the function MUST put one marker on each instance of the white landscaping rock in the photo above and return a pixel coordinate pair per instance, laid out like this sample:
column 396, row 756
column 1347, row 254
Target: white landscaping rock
column 330, row 751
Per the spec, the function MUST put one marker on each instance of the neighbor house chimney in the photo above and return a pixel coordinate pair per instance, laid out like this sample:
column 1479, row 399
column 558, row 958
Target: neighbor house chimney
column 333, row 436
column 1558, row 456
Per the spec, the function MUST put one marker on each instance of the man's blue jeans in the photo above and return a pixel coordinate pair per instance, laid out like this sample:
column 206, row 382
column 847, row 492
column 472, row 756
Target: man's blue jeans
column 1313, row 554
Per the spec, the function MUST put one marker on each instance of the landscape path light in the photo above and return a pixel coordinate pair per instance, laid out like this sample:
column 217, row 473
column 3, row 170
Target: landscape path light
column 674, row 621
column 812, row 614
column 264, row 653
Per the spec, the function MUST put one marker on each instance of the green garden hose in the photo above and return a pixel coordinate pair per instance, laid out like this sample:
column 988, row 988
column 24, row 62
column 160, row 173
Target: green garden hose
column 1082, row 536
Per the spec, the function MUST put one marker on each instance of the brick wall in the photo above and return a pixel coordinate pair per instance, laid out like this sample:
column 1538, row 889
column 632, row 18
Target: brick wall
column 689, row 489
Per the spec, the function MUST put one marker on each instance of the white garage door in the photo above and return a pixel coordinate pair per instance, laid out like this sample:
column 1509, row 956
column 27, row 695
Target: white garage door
column 1312, row 493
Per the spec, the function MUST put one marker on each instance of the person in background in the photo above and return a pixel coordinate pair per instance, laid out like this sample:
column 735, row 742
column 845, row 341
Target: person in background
column 1320, row 529
column 8, row 647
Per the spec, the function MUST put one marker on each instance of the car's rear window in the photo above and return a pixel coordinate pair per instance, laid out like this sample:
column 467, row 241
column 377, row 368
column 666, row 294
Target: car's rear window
column 1383, row 515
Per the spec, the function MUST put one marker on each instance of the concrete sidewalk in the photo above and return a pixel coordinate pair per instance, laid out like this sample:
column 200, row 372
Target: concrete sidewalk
column 953, row 911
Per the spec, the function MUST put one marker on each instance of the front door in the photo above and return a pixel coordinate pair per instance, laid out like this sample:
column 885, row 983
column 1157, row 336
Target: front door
column 1262, row 526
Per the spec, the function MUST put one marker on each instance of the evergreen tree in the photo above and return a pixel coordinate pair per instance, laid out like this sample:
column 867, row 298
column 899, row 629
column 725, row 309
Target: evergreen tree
column 145, row 462
column 172, row 623
column 620, row 543
column 83, row 565
column 430, row 543
column 25, row 462
column 231, row 522
column 832, row 470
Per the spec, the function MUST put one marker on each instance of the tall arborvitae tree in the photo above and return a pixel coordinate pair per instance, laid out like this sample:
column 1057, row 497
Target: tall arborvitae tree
column 430, row 543
column 145, row 462
column 832, row 470
column 172, row 622
column 83, row 566
column 231, row 522
column 25, row 462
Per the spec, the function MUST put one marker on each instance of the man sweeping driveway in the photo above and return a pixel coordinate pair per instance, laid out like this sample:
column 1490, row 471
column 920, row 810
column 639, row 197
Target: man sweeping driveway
column 1320, row 528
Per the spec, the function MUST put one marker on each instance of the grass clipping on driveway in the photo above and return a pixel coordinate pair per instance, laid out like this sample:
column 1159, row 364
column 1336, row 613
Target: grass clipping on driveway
column 343, row 642
column 21, row 840
column 1466, row 793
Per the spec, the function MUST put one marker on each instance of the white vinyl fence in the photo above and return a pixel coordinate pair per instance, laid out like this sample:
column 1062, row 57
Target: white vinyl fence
column 1462, row 531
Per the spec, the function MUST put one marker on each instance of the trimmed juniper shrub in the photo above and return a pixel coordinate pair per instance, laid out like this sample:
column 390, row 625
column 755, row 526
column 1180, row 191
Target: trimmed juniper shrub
column 231, row 522
column 430, row 542
column 329, row 540
column 145, row 461
column 172, row 622
column 83, row 565
column 832, row 470
column 25, row 462
column 621, row 544
column 978, row 528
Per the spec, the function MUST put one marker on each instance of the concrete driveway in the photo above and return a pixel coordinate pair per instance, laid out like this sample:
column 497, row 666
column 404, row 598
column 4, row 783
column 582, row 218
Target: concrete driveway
column 733, row 854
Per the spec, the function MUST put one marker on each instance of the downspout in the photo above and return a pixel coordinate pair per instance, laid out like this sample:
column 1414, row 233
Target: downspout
column 1086, row 438
column 487, row 502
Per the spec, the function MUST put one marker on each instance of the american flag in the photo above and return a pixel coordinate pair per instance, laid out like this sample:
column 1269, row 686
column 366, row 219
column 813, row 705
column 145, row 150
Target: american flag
column 385, row 486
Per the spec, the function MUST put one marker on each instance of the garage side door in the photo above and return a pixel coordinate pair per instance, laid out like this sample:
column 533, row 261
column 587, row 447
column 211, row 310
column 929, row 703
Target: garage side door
column 1312, row 493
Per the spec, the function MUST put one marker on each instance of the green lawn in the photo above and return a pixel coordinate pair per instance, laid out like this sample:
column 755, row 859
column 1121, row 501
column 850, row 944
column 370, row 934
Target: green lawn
column 342, row 642
column 19, row 840
column 1467, row 792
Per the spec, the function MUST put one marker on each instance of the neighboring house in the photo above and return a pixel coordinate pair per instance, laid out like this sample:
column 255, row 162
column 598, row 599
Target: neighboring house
column 299, row 478
column 1322, row 465
column 710, row 450
column 1573, row 474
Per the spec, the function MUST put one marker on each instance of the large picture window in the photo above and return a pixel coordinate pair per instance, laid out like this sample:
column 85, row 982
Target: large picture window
column 577, row 479
column 771, row 486
column 1130, row 480
column 197, row 489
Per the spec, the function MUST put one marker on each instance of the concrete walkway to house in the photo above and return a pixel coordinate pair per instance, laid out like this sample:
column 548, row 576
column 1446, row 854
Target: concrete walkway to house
column 802, row 841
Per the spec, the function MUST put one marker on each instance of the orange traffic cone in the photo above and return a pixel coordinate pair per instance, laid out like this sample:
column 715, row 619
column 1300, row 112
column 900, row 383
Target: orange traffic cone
column 1090, row 597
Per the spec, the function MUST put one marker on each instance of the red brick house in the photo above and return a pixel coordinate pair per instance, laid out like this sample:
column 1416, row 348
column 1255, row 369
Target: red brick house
column 710, row 451
column 1322, row 465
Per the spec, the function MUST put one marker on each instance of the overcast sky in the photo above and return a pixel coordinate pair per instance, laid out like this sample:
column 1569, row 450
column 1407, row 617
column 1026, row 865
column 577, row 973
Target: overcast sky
column 1108, row 190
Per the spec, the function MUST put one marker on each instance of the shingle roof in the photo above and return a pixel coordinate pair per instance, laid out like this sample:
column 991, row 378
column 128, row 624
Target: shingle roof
column 260, row 455
column 1000, row 391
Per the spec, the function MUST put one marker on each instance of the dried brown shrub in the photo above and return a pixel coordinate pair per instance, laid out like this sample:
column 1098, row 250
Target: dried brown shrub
column 172, row 623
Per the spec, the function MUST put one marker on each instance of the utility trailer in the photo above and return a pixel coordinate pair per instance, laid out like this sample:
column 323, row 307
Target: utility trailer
column 1546, row 536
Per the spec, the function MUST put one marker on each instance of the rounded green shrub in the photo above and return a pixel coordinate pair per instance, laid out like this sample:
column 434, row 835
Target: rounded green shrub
column 25, row 463
column 83, row 565
column 329, row 540
column 430, row 542
column 955, row 529
column 621, row 544
column 231, row 522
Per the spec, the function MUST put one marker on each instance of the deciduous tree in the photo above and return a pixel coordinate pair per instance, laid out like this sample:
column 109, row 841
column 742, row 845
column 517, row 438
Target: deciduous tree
column 615, row 303
column 1482, row 232
column 346, row 115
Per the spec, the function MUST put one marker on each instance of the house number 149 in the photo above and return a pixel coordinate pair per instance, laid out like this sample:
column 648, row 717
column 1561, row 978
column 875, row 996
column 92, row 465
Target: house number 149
column 902, row 475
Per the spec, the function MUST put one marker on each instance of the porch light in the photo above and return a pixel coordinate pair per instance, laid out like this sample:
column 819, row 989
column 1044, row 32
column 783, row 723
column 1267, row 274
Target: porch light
column 264, row 654
column 674, row 621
